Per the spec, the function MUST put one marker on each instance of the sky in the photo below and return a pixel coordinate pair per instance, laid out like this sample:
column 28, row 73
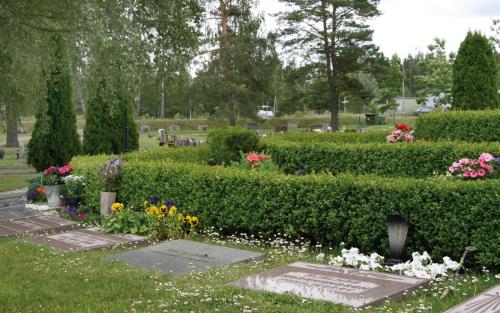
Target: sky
column 408, row 26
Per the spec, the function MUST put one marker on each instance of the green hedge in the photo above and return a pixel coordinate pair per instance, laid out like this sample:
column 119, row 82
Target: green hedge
column 417, row 159
column 346, row 137
column 474, row 126
column 198, row 155
column 445, row 215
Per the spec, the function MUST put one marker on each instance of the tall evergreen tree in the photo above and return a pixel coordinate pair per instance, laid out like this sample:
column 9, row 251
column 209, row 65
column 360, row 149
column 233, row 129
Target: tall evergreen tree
column 97, row 133
column 475, row 75
column 55, row 139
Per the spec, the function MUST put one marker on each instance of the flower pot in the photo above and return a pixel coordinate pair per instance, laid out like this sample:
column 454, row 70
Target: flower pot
column 72, row 202
column 107, row 199
column 53, row 193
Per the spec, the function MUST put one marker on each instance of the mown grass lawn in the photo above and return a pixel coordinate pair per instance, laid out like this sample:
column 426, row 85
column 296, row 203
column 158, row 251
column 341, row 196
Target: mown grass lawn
column 13, row 181
column 37, row 279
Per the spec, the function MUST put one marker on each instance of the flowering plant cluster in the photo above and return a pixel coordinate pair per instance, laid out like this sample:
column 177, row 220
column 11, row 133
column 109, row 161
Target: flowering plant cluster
column 402, row 133
column 475, row 168
column 75, row 185
column 420, row 266
column 53, row 175
column 255, row 159
column 110, row 174
column 167, row 221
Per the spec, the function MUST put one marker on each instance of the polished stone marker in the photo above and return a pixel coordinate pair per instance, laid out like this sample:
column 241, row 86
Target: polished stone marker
column 335, row 284
column 87, row 239
column 486, row 302
column 37, row 224
column 181, row 256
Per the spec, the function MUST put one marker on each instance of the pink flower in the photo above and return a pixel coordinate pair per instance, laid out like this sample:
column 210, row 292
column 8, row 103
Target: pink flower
column 65, row 170
column 252, row 157
column 451, row 169
column 473, row 174
column 466, row 174
column 481, row 173
column 486, row 157
column 464, row 161
column 489, row 169
column 81, row 216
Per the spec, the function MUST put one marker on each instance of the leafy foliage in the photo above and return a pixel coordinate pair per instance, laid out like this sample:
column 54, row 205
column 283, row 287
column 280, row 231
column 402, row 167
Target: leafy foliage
column 54, row 139
column 473, row 126
column 329, row 210
column 225, row 144
column 127, row 222
column 475, row 75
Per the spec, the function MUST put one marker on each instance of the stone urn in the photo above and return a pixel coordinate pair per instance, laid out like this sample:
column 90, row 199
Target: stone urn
column 53, row 193
column 107, row 199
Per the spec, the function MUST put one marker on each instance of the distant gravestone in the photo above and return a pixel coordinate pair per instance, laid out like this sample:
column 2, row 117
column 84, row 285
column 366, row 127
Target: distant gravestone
column 86, row 239
column 335, row 284
column 486, row 302
column 182, row 256
column 316, row 127
column 145, row 129
column 292, row 125
column 21, row 151
column 174, row 128
column 203, row 128
column 35, row 224
column 252, row 126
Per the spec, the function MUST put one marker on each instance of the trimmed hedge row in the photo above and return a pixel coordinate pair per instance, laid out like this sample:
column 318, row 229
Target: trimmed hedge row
column 417, row 159
column 445, row 215
column 346, row 137
column 185, row 154
column 474, row 126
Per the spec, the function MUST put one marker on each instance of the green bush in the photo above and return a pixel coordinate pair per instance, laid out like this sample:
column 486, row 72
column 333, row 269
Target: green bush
column 474, row 126
column 225, row 144
column 346, row 137
column 198, row 155
column 417, row 159
column 445, row 215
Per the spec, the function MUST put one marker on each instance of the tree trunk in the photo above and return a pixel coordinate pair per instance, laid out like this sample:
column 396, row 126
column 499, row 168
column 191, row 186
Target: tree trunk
column 11, row 118
column 137, row 110
column 162, row 104
column 230, row 105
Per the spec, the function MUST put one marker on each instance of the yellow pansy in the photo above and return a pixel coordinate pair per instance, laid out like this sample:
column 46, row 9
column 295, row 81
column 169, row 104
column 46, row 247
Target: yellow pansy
column 115, row 207
column 172, row 211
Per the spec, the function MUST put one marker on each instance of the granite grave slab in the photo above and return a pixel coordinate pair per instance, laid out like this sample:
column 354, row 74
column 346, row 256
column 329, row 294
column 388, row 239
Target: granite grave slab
column 486, row 302
column 87, row 239
column 182, row 256
column 37, row 224
column 345, row 286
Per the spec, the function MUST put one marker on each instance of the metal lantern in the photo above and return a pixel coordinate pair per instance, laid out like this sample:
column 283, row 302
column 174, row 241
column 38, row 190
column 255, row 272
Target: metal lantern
column 398, row 230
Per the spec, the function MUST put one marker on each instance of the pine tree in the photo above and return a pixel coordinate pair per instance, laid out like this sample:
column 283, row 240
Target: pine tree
column 55, row 139
column 474, row 74
column 97, row 133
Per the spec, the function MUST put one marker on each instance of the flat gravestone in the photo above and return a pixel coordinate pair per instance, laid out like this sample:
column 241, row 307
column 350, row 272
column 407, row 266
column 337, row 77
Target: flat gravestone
column 182, row 256
column 486, row 302
column 335, row 284
column 86, row 239
column 37, row 224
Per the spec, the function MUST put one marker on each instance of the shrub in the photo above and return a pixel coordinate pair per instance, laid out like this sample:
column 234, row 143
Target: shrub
column 198, row 155
column 417, row 159
column 474, row 126
column 54, row 139
column 445, row 215
column 225, row 144
column 475, row 74
column 346, row 137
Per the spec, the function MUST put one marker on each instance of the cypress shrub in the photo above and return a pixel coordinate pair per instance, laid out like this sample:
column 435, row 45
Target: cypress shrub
column 97, row 132
column 475, row 74
column 54, row 138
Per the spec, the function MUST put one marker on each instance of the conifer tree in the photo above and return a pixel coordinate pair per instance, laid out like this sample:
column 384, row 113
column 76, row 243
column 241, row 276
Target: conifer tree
column 475, row 75
column 97, row 133
column 55, row 139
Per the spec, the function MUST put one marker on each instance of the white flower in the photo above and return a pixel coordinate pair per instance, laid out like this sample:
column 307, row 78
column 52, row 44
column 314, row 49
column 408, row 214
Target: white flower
column 497, row 276
column 320, row 257
column 336, row 261
column 450, row 264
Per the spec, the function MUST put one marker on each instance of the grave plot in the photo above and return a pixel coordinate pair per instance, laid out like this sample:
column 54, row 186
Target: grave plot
column 486, row 302
column 37, row 224
column 87, row 239
column 346, row 286
column 181, row 256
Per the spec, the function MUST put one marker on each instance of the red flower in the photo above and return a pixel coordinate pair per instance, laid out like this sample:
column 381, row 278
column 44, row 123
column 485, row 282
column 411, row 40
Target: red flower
column 49, row 170
column 404, row 127
column 66, row 169
column 253, row 157
column 81, row 216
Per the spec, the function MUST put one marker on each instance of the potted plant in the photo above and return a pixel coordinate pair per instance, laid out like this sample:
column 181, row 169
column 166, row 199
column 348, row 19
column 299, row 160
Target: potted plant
column 53, row 183
column 74, row 190
column 110, row 174
column 2, row 154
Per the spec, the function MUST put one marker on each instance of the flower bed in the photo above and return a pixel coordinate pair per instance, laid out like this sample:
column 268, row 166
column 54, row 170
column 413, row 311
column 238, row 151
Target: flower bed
column 445, row 215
